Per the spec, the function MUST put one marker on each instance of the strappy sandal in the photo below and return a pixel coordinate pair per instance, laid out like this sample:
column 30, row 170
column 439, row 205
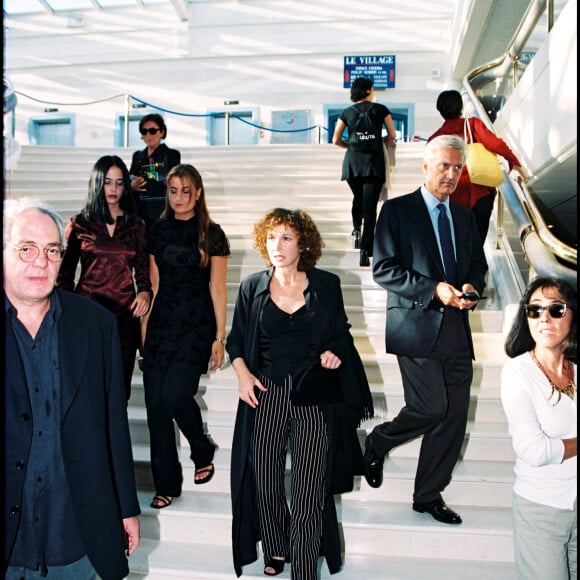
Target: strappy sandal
column 207, row 473
column 161, row 501
column 275, row 564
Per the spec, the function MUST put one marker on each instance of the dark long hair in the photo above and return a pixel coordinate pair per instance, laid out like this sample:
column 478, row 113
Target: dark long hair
column 190, row 173
column 519, row 338
column 96, row 208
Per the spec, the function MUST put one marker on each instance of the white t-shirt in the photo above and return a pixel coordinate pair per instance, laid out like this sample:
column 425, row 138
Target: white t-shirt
column 537, row 426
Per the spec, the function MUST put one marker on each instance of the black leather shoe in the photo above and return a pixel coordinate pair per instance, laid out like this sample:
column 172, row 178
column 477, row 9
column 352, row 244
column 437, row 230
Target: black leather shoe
column 373, row 465
column 438, row 510
column 364, row 258
column 356, row 238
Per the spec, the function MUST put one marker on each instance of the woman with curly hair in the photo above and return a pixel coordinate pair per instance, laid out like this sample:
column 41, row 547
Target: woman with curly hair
column 185, row 330
column 302, row 388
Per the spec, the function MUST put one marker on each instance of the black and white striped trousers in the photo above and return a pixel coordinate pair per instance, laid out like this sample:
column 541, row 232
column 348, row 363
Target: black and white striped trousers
column 294, row 530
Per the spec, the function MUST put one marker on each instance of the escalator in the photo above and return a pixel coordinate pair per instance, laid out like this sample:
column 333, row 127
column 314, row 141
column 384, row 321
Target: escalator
column 528, row 97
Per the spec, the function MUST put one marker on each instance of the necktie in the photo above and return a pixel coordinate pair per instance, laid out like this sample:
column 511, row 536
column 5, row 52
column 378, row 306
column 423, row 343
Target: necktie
column 446, row 245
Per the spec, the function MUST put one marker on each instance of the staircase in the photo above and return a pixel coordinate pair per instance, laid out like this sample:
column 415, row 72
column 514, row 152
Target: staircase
column 384, row 538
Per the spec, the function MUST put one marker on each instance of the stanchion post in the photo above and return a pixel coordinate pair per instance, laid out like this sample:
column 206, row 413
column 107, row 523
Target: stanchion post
column 126, row 128
column 227, row 124
column 227, row 114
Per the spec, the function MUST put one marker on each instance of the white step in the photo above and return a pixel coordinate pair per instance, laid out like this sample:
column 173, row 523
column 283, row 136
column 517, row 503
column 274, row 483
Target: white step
column 384, row 538
column 156, row 560
column 484, row 535
column 475, row 482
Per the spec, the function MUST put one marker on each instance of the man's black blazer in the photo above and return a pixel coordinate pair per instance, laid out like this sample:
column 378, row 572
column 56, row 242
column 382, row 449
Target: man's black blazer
column 96, row 445
column 408, row 265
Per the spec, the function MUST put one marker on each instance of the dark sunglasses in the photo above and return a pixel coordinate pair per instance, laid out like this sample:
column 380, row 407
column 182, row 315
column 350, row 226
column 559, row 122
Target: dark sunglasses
column 556, row 310
column 151, row 131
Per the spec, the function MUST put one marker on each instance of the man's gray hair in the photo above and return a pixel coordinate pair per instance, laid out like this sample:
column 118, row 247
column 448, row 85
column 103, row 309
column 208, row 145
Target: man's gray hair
column 15, row 207
column 444, row 142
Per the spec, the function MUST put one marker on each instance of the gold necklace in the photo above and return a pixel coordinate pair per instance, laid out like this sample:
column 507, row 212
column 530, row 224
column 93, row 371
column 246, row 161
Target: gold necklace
column 569, row 389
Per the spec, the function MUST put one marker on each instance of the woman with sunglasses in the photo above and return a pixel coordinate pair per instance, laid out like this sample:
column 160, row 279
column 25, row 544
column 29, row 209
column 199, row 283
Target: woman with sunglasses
column 538, row 393
column 150, row 166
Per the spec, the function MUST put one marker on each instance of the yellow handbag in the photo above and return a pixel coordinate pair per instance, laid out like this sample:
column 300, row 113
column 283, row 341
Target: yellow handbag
column 483, row 166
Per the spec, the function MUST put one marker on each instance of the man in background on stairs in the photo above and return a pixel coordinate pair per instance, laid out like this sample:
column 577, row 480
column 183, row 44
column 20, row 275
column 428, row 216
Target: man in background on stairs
column 364, row 163
column 71, row 505
column 429, row 258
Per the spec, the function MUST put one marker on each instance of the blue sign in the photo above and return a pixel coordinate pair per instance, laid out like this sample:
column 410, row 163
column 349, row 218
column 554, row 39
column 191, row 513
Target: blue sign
column 381, row 69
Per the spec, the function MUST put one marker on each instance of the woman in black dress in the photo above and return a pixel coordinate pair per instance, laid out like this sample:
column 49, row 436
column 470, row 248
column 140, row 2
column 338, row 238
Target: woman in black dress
column 363, row 166
column 185, row 330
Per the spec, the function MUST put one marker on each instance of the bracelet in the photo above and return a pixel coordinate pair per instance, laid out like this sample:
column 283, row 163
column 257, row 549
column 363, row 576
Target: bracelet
column 220, row 340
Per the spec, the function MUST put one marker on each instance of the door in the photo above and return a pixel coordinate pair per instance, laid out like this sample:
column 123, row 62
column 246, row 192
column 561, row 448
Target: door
column 53, row 131
column 240, row 127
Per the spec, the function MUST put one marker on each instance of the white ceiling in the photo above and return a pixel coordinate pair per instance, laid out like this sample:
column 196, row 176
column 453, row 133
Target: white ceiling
column 20, row 7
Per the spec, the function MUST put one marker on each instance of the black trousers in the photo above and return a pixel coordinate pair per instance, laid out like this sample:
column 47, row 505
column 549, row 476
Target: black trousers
column 482, row 211
column 169, row 397
column 437, row 390
column 366, row 192
column 128, row 356
column 150, row 209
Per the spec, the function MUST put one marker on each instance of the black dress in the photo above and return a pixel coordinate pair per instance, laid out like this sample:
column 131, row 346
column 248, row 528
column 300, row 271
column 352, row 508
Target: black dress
column 182, row 324
column 359, row 164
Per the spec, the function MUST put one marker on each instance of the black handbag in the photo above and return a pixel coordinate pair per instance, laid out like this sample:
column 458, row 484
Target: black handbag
column 312, row 384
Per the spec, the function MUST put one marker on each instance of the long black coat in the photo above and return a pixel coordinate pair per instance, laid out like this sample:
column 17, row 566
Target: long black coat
column 96, row 445
column 331, row 331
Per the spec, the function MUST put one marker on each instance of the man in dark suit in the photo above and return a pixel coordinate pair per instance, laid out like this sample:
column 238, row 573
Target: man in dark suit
column 427, row 255
column 70, row 499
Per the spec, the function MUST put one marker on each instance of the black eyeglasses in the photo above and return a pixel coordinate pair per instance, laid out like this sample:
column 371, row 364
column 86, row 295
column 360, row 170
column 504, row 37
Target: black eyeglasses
column 151, row 131
column 556, row 310
column 30, row 252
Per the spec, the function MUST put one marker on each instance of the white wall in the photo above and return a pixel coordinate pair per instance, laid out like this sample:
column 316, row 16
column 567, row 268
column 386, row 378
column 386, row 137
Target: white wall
column 269, row 54
column 548, row 94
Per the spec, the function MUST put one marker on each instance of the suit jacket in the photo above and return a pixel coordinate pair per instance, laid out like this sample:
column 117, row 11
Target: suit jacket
column 344, row 461
column 408, row 265
column 96, row 445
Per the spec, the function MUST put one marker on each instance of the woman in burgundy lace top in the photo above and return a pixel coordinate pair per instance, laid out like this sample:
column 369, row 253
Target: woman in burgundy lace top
column 108, row 238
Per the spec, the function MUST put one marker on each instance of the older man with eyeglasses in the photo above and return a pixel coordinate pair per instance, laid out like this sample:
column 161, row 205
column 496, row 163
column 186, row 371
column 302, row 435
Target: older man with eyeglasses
column 70, row 498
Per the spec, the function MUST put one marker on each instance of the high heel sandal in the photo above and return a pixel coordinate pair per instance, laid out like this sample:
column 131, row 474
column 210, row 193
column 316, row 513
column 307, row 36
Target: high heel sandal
column 276, row 564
